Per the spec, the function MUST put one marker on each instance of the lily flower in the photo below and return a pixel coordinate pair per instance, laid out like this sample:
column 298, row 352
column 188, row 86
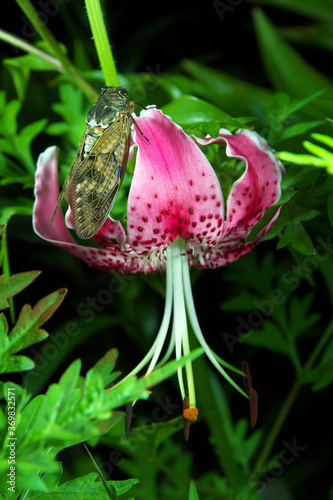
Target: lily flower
column 176, row 219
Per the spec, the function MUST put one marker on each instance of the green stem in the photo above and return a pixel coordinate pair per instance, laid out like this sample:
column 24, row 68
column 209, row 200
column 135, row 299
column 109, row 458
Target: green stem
column 320, row 346
column 283, row 413
column 18, row 42
column 277, row 426
column 102, row 43
column 46, row 35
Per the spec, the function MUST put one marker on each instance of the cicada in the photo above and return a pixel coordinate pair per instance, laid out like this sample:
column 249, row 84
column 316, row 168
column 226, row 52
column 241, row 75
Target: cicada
column 99, row 166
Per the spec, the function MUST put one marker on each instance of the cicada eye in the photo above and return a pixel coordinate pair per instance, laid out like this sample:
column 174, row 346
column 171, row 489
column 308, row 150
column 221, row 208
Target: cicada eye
column 122, row 92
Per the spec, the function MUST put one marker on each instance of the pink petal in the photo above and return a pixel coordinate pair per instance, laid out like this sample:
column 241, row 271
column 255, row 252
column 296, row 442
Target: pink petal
column 260, row 185
column 228, row 250
column 112, row 259
column 46, row 197
column 174, row 191
column 256, row 190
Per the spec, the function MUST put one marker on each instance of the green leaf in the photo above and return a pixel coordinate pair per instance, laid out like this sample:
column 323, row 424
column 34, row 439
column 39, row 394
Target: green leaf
column 106, row 365
column 322, row 374
column 16, row 144
column 298, row 129
column 302, row 159
column 200, row 118
column 8, row 212
column 189, row 109
column 26, row 136
column 290, row 228
column 20, row 76
column 14, row 284
column 236, row 96
column 308, row 8
column 9, row 116
column 87, row 487
column 325, row 139
column 20, row 68
column 301, row 102
column 269, row 336
column 287, row 70
column 263, row 222
column 18, row 364
column 73, row 411
column 27, row 330
column 298, row 238
column 193, row 494
column 73, row 113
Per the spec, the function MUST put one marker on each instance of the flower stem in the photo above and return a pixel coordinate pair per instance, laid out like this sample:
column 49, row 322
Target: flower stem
column 102, row 43
column 46, row 35
column 275, row 429
column 293, row 393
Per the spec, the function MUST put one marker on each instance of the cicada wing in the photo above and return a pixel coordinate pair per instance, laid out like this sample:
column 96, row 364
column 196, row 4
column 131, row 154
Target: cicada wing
column 75, row 164
column 97, row 178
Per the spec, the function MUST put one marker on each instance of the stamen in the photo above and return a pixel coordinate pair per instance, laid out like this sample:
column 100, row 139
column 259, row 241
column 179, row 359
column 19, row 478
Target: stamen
column 129, row 415
column 189, row 415
column 251, row 392
column 186, row 422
